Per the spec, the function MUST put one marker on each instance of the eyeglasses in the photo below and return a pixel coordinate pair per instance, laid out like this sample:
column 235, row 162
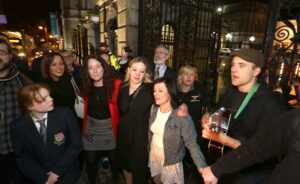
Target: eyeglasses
column 160, row 52
column 3, row 53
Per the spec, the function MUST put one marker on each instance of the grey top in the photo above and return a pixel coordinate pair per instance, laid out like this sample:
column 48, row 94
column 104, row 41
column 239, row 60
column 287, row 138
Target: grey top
column 179, row 132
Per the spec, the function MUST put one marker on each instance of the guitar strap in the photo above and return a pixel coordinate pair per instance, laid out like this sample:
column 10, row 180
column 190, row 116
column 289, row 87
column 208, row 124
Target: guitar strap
column 247, row 99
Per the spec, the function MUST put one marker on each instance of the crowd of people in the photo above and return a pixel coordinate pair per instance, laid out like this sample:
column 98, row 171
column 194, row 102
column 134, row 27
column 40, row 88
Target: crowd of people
column 141, row 119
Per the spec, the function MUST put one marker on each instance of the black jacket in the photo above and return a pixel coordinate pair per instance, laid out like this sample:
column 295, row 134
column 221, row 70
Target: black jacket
column 262, row 107
column 254, row 120
column 132, row 136
column 169, row 73
column 280, row 140
column 196, row 100
column 59, row 155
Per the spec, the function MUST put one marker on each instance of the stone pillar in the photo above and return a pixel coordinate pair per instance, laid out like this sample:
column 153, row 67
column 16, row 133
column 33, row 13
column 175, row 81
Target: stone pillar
column 127, row 23
column 128, row 13
column 73, row 12
column 68, row 24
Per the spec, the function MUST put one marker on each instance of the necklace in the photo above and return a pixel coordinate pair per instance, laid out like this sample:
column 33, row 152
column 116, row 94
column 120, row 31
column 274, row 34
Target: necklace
column 97, row 98
column 98, row 91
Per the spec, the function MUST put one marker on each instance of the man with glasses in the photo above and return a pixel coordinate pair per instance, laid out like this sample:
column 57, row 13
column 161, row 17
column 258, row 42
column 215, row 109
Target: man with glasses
column 11, row 80
column 21, row 64
column 161, row 55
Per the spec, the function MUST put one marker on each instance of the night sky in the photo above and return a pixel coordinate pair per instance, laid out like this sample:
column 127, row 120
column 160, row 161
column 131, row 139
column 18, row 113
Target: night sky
column 25, row 14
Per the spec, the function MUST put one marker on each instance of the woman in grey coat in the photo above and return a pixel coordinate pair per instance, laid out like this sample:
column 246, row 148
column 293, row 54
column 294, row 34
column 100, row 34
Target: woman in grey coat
column 168, row 136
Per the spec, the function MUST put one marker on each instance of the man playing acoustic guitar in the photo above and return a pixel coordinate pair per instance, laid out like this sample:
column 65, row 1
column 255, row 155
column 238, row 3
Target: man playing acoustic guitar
column 252, row 105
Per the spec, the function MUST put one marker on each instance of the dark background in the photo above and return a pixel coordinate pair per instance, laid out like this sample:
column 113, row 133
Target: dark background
column 26, row 15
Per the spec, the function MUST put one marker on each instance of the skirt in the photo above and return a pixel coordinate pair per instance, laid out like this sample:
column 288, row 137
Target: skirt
column 169, row 174
column 98, row 135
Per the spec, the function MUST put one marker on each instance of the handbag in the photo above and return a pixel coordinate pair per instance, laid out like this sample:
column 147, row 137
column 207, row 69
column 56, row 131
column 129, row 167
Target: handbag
column 79, row 102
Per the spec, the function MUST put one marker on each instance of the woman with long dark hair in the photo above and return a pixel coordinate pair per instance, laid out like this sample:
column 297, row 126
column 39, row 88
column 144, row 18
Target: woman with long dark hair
column 169, row 134
column 100, row 88
column 55, row 75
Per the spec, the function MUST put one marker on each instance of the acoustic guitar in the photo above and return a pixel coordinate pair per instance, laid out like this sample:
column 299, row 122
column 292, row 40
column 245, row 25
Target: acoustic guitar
column 218, row 121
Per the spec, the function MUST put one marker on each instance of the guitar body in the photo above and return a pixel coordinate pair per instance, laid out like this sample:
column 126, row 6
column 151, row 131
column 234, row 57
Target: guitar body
column 216, row 148
column 218, row 122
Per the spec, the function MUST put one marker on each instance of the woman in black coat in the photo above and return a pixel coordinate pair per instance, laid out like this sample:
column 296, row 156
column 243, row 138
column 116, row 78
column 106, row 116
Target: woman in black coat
column 55, row 75
column 135, row 100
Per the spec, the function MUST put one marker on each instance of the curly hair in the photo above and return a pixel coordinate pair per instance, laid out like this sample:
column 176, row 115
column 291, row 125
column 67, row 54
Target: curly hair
column 108, row 76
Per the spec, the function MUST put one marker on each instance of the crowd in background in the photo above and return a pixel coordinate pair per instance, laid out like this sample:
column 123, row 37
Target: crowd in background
column 140, row 117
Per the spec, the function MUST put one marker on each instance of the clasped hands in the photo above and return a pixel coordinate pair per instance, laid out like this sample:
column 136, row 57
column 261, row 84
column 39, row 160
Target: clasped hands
column 206, row 172
column 52, row 178
column 208, row 176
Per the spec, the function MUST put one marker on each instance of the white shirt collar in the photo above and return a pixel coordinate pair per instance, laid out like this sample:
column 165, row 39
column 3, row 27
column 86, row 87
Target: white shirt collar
column 35, row 119
column 37, row 124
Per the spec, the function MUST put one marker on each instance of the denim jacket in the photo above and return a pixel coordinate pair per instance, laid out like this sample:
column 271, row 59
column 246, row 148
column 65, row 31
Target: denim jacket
column 179, row 132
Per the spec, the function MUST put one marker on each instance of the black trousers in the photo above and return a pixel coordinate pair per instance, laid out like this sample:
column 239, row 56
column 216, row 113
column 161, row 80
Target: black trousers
column 92, row 159
column 9, row 171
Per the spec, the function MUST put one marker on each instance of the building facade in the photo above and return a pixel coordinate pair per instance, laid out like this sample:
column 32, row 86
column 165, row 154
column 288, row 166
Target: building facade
column 197, row 32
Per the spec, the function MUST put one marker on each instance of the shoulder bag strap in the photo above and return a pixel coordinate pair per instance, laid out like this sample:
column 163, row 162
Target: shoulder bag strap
column 75, row 87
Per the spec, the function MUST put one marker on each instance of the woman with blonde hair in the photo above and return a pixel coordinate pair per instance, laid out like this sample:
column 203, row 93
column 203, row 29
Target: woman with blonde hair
column 135, row 100
column 195, row 97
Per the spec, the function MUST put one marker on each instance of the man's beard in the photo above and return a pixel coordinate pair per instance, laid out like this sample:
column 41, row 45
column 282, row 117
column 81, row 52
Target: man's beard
column 3, row 66
column 159, row 62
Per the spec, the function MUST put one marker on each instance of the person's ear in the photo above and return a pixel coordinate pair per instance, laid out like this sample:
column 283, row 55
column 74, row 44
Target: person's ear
column 257, row 71
column 29, row 107
column 10, row 56
column 167, row 56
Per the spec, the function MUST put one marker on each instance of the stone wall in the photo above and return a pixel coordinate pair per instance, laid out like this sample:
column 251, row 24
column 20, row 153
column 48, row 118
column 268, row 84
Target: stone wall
column 127, row 23
column 72, row 14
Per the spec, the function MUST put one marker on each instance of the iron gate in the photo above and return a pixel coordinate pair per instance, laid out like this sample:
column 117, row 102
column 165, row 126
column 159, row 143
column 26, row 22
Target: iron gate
column 189, row 28
column 284, row 50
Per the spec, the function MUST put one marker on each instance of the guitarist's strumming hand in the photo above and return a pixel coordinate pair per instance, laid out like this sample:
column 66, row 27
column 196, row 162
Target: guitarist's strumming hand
column 207, row 133
column 219, row 137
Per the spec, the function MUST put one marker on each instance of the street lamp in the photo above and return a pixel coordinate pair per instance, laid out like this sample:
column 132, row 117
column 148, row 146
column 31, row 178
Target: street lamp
column 228, row 38
column 252, row 39
column 46, row 32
